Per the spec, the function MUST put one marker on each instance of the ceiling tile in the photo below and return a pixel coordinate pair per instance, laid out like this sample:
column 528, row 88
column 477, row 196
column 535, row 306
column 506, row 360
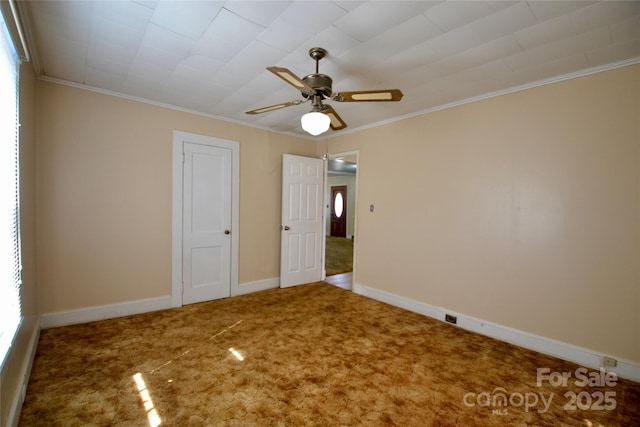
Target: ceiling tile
column 256, row 57
column 199, row 64
column 110, row 59
column 626, row 30
column 455, row 41
column 233, row 77
column 546, row 32
column 217, row 48
column 186, row 73
column 69, row 12
column 411, row 58
column 140, row 86
column 331, row 39
column 236, row 103
column 124, row 13
column 312, row 15
column 260, row 12
column 450, row 15
column 544, row 10
column 409, row 33
column 153, row 65
column 214, row 93
column 386, row 14
column 50, row 26
column 614, row 53
column 408, row 79
column 105, row 79
column 187, row 18
column 550, row 52
column 583, row 42
column 349, row 5
column 604, row 13
column 106, row 33
column 503, row 22
column 545, row 70
column 232, row 27
column 162, row 39
column 285, row 37
column 58, row 46
column 300, row 22
column 484, row 53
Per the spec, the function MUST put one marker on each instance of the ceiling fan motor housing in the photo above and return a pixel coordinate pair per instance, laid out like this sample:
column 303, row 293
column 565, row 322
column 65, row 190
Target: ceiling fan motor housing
column 321, row 83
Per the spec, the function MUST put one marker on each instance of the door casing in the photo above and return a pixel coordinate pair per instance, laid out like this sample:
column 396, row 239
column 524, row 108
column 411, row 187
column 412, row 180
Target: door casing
column 179, row 138
column 328, row 200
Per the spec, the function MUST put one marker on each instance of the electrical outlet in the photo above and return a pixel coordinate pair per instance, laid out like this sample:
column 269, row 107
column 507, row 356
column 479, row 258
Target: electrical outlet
column 450, row 319
column 609, row 362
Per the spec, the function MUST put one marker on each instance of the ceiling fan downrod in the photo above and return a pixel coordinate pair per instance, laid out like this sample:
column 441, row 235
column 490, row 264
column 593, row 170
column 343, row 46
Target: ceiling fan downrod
column 317, row 53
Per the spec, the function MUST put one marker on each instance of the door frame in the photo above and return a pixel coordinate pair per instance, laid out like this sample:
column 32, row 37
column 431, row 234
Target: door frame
column 179, row 138
column 327, row 202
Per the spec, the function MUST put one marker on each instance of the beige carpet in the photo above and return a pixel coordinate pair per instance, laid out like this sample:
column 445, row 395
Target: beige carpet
column 339, row 255
column 313, row 355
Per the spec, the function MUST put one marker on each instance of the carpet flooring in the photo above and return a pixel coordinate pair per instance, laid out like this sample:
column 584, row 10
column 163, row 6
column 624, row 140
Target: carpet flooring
column 312, row 355
column 339, row 255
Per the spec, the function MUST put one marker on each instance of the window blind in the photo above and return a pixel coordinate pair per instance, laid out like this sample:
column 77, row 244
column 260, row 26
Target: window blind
column 10, row 263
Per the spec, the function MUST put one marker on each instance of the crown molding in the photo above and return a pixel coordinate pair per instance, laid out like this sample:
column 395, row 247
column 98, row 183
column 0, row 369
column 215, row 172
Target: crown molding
column 519, row 88
column 162, row 105
column 327, row 136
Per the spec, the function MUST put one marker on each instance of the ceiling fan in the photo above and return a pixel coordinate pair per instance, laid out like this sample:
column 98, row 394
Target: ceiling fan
column 316, row 88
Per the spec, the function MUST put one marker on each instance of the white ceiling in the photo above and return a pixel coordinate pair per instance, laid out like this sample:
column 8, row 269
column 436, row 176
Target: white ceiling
column 210, row 56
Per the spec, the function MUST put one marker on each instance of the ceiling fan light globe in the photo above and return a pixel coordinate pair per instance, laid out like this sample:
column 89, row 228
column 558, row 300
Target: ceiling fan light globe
column 315, row 123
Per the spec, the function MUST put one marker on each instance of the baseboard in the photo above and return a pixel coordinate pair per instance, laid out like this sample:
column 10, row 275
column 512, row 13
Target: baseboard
column 91, row 314
column 25, row 372
column 581, row 356
column 257, row 286
column 102, row 312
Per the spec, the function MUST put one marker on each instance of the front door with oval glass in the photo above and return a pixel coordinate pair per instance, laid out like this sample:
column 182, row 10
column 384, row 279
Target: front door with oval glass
column 339, row 211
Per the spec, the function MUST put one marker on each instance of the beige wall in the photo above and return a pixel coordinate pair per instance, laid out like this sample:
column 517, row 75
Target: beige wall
column 104, row 197
column 521, row 210
column 18, row 358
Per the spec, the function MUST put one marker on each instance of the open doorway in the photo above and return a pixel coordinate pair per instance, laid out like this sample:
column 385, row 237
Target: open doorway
column 341, row 218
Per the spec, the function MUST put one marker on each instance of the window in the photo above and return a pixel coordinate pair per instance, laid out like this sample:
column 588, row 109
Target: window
column 10, row 266
column 338, row 205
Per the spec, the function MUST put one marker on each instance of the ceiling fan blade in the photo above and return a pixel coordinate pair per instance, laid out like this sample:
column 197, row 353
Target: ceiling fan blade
column 275, row 107
column 291, row 78
column 336, row 121
column 369, row 95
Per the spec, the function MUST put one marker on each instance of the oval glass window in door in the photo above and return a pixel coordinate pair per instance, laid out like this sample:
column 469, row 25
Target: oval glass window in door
column 338, row 205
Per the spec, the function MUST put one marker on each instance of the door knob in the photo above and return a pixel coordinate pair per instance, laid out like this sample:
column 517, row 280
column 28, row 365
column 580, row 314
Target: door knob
column 286, row 227
column 227, row 232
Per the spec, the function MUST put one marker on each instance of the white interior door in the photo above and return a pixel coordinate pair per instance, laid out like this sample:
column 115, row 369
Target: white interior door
column 302, row 237
column 206, row 240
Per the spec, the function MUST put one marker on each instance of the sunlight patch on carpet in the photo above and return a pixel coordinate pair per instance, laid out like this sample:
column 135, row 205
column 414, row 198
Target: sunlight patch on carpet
column 236, row 354
column 152, row 414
